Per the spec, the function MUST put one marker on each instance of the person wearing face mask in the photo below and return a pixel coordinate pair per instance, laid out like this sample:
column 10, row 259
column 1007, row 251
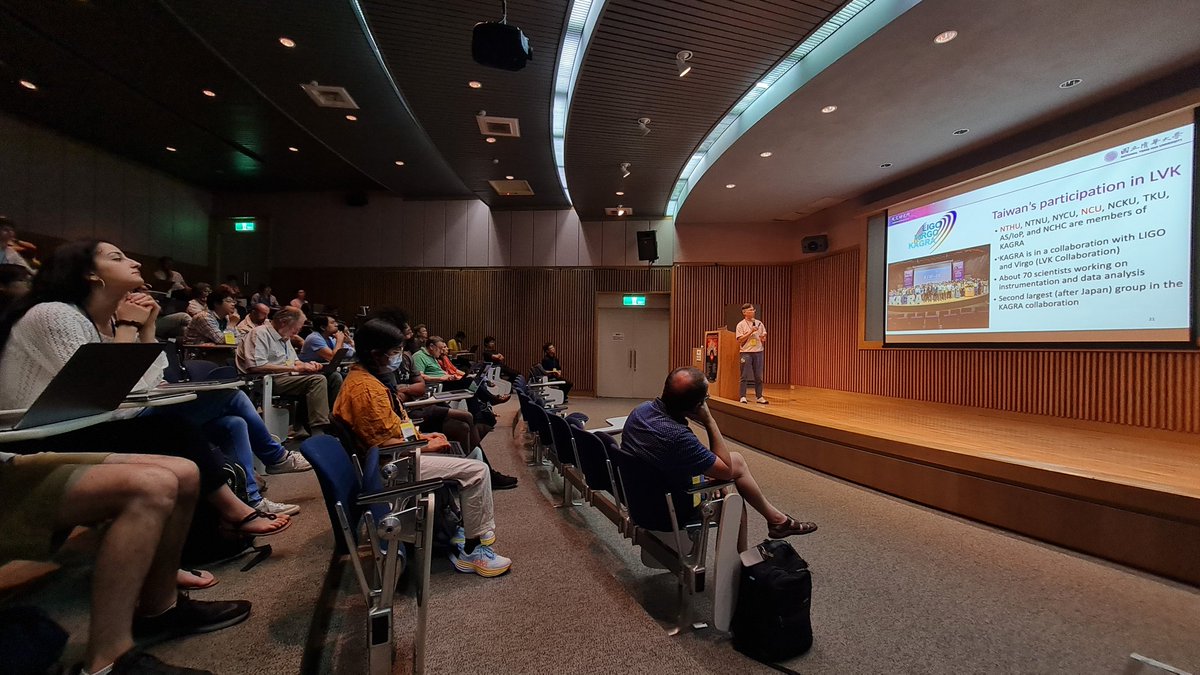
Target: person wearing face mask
column 369, row 407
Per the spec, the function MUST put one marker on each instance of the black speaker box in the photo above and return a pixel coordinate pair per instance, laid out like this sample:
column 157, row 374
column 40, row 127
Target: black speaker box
column 356, row 199
column 647, row 245
column 818, row 243
column 500, row 45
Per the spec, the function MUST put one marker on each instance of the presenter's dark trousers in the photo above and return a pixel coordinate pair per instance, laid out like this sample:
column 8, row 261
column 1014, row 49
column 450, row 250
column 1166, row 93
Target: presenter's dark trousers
column 752, row 371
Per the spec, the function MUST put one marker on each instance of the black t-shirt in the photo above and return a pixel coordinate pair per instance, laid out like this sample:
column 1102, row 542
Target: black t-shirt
column 550, row 363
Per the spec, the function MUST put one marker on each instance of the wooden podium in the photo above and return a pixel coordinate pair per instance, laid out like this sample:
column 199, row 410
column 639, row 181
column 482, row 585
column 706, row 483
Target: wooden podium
column 727, row 363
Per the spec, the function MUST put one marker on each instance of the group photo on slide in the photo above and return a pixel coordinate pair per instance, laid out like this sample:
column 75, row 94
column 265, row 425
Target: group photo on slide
column 949, row 290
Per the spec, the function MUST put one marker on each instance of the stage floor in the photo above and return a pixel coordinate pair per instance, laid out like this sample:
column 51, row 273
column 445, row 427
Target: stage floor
column 1143, row 458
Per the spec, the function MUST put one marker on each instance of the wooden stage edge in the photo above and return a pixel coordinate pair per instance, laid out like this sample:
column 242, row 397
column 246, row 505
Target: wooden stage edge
column 1127, row 495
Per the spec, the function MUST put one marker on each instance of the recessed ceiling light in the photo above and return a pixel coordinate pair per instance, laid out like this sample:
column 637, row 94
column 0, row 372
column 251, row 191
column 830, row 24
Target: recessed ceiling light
column 399, row 162
column 765, row 154
column 1069, row 83
column 681, row 62
column 475, row 84
column 208, row 92
column 293, row 148
column 490, row 139
column 620, row 194
column 828, row 109
column 508, row 178
column 960, row 132
column 885, row 165
column 352, row 118
column 944, row 37
column 730, row 186
column 287, row 42
column 28, row 85
column 170, row 149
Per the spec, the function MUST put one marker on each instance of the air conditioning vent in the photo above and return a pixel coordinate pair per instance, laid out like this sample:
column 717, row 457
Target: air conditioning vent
column 499, row 126
column 330, row 97
column 511, row 188
column 618, row 211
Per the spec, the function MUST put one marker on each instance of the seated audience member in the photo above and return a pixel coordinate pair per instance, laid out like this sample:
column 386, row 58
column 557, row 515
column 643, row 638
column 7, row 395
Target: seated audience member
column 419, row 338
column 166, row 278
column 256, row 315
column 14, row 283
column 234, row 283
column 658, row 432
column 265, row 297
column 458, row 343
column 13, row 251
column 322, row 343
column 146, row 502
column 369, row 407
column 492, row 356
column 86, row 293
column 215, row 326
column 300, row 300
column 552, row 367
column 267, row 350
column 199, row 298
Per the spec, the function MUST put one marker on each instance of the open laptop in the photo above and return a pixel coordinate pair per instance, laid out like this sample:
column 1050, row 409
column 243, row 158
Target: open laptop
column 335, row 362
column 465, row 382
column 471, row 387
column 95, row 380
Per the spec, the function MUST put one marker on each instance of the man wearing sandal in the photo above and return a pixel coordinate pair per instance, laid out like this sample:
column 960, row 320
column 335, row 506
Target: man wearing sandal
column 147, row 502
column 658, row 432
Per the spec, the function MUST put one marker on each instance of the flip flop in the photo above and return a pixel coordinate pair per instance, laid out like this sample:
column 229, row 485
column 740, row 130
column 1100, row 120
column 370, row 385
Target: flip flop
column 239, row 528
column 206, row 580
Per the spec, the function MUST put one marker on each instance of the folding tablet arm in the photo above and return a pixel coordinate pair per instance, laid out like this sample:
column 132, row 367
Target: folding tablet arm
column 409, row 519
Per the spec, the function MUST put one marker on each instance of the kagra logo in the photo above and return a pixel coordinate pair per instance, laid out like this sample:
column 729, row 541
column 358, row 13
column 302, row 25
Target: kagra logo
column 933, row 233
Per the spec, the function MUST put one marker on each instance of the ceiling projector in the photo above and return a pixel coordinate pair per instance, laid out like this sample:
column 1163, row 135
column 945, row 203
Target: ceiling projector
column 499, row 45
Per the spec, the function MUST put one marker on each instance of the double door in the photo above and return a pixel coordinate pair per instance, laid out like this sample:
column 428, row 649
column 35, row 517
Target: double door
column 632, row 351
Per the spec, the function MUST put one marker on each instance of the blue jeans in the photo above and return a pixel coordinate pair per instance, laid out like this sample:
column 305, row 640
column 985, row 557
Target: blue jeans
column 229, row 419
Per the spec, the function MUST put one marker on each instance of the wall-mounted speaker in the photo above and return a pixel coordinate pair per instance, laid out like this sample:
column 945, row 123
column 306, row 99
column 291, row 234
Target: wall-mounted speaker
column 357, row 198
column 647, row 245
column 818, row 243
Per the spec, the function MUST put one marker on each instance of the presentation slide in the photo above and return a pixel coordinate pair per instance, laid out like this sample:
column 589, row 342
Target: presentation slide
column 1092, row 248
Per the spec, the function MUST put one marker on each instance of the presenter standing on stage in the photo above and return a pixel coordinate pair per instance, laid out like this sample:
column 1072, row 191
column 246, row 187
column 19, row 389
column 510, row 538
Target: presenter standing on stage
column 751, row 337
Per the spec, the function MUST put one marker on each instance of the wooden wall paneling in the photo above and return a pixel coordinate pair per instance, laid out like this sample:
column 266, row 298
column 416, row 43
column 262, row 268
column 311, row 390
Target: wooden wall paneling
column 1154, row 389
column 700, row 293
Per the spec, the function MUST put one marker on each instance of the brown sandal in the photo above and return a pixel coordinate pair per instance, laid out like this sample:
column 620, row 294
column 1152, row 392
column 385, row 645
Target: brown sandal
column 239, row 528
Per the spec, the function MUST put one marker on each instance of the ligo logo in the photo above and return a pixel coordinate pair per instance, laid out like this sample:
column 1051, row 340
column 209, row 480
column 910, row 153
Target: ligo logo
column 934, row 233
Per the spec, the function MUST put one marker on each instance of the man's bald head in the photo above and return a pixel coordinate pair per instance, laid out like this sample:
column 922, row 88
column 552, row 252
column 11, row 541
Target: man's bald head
column 684, row 390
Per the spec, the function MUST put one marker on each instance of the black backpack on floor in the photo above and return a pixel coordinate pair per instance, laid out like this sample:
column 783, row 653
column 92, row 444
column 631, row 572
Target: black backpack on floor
column 772, row 622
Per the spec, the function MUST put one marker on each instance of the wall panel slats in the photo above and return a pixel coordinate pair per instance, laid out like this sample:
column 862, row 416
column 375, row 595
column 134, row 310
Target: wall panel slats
column 1159, row 390
column 522, row 307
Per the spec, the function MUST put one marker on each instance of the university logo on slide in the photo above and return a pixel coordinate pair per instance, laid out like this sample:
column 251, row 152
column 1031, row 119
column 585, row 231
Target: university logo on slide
column 933, row 233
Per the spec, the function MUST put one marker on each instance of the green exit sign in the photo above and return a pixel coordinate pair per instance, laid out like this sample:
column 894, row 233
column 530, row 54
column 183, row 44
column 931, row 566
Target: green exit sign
column 244, row 226
column 634, row 301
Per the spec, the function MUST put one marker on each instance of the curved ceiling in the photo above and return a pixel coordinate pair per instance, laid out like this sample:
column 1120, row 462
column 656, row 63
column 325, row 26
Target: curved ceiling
column 629, row 72
column 900, row 96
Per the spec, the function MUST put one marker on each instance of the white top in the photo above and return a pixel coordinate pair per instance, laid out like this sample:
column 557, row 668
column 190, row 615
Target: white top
column 756, row 330
column 264, row 346
column 41, row 344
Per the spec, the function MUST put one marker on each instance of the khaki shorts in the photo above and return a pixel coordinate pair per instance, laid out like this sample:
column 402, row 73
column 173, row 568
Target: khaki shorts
column 32, row 489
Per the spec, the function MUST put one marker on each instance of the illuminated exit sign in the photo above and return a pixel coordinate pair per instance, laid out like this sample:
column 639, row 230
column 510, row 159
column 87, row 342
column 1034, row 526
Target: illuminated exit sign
column 634, row 301
column 244, row 226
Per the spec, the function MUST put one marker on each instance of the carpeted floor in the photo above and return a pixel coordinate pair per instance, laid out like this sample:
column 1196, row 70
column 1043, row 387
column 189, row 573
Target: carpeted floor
column 897, row 588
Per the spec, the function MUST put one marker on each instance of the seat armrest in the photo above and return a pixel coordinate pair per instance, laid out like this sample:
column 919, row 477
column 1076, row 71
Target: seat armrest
column 708, row 486
column 406, row 445
column 391, row 494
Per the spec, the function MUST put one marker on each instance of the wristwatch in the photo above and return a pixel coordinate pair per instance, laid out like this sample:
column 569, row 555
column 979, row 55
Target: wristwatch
column 126, row 322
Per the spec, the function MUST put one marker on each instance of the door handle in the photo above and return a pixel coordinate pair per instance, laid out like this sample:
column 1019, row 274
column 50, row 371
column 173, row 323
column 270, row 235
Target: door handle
column 629, row 359
column 635, row 360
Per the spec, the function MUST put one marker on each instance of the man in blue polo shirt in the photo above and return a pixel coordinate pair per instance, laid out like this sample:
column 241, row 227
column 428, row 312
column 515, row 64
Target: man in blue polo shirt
column 658, row 432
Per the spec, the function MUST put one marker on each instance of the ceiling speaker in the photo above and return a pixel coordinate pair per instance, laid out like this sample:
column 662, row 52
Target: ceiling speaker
column 818, row 243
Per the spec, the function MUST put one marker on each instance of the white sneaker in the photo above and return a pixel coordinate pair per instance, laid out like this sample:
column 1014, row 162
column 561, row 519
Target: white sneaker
column 482, row 561
column 268, row 506
column 292, row 462
column 742, row 400
column 762, row 400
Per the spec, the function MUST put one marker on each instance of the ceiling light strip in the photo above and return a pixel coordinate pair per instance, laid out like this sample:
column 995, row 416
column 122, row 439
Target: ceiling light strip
column 791, row 73
column 581, row 23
